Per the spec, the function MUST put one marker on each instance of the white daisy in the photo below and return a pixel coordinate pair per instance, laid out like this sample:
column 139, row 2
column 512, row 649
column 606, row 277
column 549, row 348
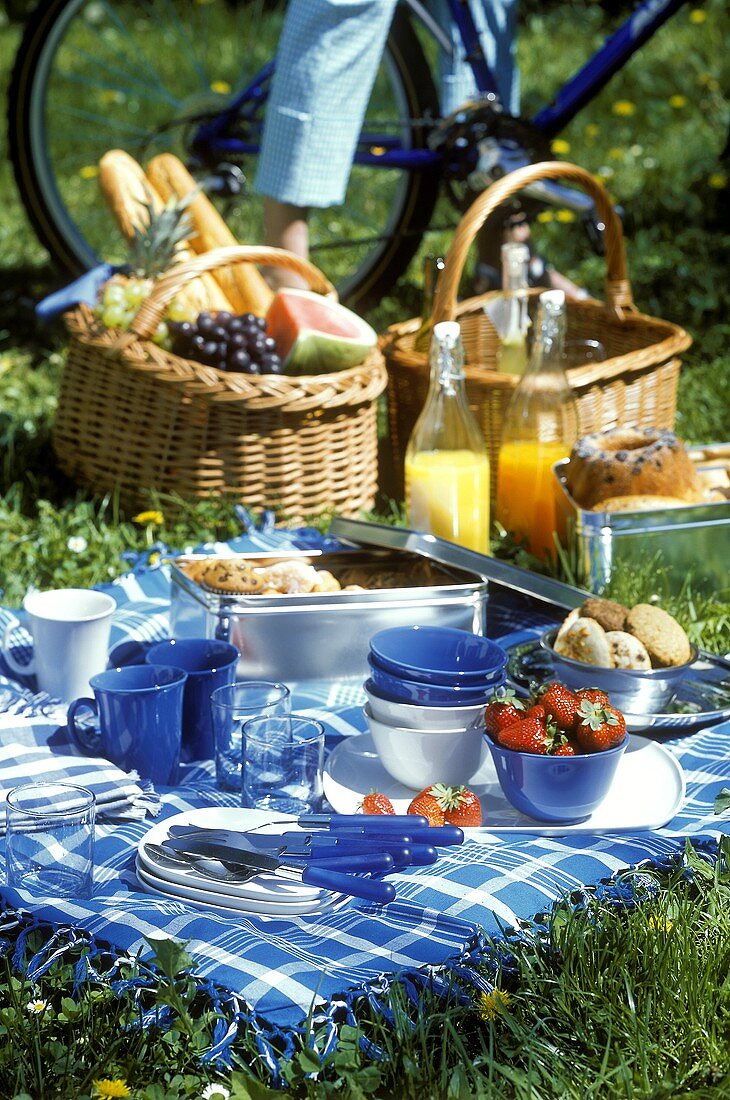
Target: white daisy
column 215, row 1092
column 77, row 544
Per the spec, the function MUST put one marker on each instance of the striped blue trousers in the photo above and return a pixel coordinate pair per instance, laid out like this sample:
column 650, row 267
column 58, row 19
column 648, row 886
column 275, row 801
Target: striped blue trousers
column 326, row 65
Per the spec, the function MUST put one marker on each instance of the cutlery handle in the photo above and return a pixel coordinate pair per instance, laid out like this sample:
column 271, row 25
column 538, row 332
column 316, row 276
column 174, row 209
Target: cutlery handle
column 370, row 889
column 378, row 862
column 430, row 834
column 422, row 855
column 367, row 822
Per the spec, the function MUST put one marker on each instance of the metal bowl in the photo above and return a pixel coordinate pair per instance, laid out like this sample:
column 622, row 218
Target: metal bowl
column 633, row 691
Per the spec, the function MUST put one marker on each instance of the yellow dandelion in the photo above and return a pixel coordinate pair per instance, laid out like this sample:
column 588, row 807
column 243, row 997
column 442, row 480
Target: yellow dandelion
column 545, row 216
column 616, row 153
column 154, row 557
column 220, row 87
column 624, row 108
column 564, row 216
column 149, row 517
column 592, row 130
column 89, row 172
column 677, row 101
column 717, row 180
column 697, row 15
column 491, row 1005
column 560, row 147
column 110, row 1089
column 661, row 924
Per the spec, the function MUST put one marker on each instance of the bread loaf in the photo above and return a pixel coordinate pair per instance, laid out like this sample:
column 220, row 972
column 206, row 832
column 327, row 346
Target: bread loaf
column 243, row 285
column 128, row 192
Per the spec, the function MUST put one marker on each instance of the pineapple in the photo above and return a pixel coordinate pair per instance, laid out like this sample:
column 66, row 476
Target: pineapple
column 157, row 244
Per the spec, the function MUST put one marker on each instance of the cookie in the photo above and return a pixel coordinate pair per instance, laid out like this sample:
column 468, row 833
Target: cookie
column 289, row 577
column 326, row 582
column 565, row 626
column 627, row 651
column 231, row 576
column 585, row 640
column 666, row 642
column 196, row 569
column 608, row 613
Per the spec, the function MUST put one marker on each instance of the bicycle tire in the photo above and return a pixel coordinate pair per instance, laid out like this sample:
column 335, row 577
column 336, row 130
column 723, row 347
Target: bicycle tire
column 58, row 229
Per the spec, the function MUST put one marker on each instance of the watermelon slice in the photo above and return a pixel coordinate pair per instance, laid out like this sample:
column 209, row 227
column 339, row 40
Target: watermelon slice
column 315, row 335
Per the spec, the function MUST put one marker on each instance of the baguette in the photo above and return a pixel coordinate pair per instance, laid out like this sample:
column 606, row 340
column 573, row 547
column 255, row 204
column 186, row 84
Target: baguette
column 243, row 285
column 127, row 190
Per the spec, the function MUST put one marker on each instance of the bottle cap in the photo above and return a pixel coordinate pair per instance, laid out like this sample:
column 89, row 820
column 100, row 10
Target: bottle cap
column 553, row 299
column 447, row 332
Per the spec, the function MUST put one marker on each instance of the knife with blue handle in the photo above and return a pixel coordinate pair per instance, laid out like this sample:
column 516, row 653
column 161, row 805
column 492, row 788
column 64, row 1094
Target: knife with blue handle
column 308, row 873
column 312, row 846
column 438, row 835
column 367, row 822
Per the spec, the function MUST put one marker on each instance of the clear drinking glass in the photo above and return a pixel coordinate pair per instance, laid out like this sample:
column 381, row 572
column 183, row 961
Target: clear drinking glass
column 49, row 845
column 231, row 706
column 283, row 757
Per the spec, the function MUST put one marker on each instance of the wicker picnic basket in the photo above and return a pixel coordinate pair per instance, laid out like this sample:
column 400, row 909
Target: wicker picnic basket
column 636, row 385
column 134, row 417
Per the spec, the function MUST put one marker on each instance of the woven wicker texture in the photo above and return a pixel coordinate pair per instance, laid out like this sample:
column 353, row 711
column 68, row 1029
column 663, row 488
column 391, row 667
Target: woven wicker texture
column 133, row 417
column 636, row 385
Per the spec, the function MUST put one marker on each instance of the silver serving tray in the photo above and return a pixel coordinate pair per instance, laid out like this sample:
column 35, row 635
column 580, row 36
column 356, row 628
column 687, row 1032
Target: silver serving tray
column 316, row 636
column 702, row 700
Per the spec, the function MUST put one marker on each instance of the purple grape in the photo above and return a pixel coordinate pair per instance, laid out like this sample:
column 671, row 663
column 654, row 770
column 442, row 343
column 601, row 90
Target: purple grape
column 219, row 333
column 269, row 344
column 209, row 349
column 238, row 340
column 224, row 318
column 261, row 323
column 236, row 324
column 239, row 360
column 249, row 318
column 184, row 328
column 254, row 369
column 197, row 342
column 206, row 324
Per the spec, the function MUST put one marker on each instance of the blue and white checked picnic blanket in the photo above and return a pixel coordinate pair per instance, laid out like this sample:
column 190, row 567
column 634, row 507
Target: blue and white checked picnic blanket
column 282, row 966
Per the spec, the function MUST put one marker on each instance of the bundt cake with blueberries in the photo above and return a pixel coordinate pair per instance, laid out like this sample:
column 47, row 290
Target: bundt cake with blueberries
column 631, row 462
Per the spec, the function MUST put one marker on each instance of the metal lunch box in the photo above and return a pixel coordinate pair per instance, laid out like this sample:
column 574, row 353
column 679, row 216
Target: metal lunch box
column 314, row 636
column 694, row 540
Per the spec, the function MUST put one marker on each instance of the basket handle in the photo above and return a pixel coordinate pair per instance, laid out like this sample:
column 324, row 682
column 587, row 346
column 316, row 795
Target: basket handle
column 618, row 288
column 153, row 309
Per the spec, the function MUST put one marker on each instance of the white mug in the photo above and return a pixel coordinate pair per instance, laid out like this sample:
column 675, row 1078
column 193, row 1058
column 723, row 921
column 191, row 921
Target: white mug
column 70, row 628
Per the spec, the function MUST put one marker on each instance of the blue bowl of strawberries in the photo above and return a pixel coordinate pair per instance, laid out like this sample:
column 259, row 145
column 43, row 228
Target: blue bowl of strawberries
column 556, row 754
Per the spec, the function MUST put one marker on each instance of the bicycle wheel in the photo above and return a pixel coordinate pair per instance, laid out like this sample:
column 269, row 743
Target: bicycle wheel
column 142, row 75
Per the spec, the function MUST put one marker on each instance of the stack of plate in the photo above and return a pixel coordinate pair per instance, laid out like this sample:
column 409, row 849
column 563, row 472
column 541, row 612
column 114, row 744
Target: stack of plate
column 265, row 894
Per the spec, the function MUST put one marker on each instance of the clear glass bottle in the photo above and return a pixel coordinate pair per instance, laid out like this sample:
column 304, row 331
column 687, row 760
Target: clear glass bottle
column 432, row 268
column 540, row 427
column 514, row 320
column 446, row 463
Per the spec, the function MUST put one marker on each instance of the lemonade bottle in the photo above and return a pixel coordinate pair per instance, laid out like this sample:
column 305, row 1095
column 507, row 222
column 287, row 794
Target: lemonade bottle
column 514, row 321
column 447, row 468
column 540, row 427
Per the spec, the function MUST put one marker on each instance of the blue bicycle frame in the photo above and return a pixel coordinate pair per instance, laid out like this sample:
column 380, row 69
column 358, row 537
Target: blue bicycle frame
column 385, row 150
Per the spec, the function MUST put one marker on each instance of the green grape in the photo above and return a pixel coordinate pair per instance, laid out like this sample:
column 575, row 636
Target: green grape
column 137, row 291
column 178, row 311
column 114, row 316
column 113, row 294
column 162, row 335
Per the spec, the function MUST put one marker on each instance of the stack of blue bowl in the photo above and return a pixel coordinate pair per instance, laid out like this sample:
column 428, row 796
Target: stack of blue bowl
column 426, row 694
column 434, row 666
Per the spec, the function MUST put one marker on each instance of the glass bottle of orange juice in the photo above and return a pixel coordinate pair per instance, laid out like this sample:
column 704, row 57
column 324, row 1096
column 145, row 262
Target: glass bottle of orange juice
column 540, row 427
column 446, row 465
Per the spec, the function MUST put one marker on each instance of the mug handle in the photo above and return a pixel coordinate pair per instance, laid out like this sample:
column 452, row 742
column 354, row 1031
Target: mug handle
column 89, row 741
column 13, row 664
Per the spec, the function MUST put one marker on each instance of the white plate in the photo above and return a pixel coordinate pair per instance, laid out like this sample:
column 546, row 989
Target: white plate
column 264, row 888
column 212, row 898
column 647, row 792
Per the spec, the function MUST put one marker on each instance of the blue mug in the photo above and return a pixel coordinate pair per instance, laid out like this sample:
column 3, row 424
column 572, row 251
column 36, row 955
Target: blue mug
column 140, row 720
column 209, row 665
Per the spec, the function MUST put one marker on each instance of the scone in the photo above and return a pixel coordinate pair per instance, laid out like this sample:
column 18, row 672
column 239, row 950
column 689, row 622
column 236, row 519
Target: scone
column 627, row 651
column 231, row 576
column 608, row 613
column 664, row 639
column 565, row 626
column 585, row 640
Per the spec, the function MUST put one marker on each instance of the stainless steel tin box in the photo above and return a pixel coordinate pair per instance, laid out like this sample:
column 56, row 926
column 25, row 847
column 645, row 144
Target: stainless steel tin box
column 691, row 541
column 310, row 636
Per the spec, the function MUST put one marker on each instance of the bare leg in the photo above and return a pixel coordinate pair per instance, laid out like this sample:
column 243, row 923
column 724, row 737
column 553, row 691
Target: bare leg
column 286, row 226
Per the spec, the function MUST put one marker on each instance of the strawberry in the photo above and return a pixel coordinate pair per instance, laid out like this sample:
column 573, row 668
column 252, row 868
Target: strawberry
column 567, row 748
column 537, row 711
column 376, row 803
column 452, row 805
column 599, row 726
column 561, row 704
column 503, row 709
column 529, row 735
column 428, row 805
column 593, row 695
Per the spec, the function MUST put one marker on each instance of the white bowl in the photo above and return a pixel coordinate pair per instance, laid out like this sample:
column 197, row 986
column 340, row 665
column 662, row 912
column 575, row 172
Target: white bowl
column 418, row 758
column 413, row 716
